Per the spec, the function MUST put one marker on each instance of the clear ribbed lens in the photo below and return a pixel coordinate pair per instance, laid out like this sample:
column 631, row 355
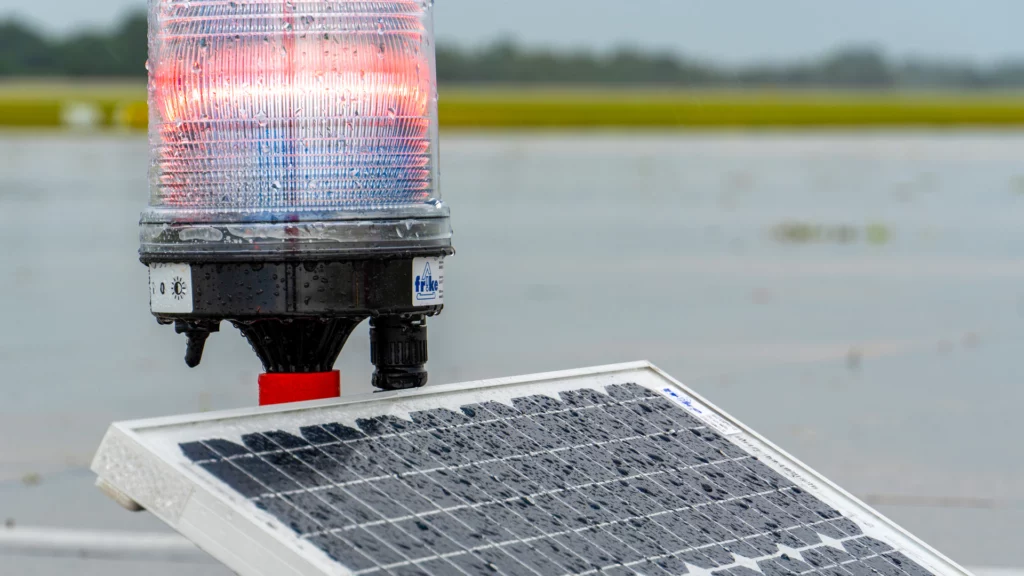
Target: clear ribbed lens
column 273, row 110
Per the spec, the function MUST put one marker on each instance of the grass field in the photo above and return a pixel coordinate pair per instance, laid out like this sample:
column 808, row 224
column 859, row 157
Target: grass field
column 122, row 104
column 726, row 109
column 56, row 103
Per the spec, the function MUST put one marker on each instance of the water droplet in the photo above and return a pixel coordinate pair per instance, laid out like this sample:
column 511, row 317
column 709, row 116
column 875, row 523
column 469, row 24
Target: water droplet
column 197, row 67
column 380, row 26
column 147, row 65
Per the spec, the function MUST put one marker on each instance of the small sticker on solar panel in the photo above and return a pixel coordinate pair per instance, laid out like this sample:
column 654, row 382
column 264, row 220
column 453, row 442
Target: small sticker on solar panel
column 527, row 478
column 700, row 411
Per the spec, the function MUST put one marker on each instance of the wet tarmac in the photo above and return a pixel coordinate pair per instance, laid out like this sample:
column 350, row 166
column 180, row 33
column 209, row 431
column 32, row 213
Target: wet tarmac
column 855, row 298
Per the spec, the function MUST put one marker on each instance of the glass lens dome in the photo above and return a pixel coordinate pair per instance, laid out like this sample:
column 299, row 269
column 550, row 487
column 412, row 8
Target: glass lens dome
column 292, row 125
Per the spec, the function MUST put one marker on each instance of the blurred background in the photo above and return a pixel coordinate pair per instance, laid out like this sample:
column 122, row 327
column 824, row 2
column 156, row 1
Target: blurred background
column 810, row 212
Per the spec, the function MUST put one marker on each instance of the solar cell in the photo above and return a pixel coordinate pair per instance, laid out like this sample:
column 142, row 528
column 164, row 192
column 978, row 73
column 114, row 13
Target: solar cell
column 586, row 477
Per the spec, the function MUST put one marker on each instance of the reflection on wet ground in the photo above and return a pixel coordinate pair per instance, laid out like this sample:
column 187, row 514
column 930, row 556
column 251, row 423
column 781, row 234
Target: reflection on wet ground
column 855, row 298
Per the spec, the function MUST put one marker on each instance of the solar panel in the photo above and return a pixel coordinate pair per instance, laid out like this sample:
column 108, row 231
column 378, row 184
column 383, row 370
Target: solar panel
column 618, row 470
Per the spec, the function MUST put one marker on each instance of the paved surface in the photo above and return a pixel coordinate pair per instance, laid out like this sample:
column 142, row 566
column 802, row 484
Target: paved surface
column 857, row 299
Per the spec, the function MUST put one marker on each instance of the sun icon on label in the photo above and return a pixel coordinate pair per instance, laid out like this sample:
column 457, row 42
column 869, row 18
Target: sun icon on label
column 179, row 289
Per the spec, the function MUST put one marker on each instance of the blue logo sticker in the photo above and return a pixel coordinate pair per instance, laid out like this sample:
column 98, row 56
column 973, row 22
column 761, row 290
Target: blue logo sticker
column 425, row 285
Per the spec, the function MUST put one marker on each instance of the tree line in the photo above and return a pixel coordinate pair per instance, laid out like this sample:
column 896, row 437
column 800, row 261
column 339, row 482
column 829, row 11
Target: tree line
column 121, row 52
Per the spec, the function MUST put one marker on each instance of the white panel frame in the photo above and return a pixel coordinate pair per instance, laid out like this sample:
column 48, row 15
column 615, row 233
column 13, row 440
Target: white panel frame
column 141, row 460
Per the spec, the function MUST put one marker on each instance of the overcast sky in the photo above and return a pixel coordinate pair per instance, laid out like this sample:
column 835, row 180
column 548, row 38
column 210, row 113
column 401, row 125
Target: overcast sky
column 725, row 30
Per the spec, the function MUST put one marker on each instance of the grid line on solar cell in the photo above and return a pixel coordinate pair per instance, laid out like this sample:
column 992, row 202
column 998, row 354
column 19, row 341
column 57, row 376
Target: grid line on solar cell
column 606, row 482
column 239, row 459
column 624, row 482
column 557, row 493
column 225, row 450
column 459, row 467
column 269, row 449
column 886, row 563
column 579, row 531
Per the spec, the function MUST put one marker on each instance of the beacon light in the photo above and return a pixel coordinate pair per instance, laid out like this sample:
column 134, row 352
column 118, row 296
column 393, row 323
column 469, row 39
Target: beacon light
column 293, row 179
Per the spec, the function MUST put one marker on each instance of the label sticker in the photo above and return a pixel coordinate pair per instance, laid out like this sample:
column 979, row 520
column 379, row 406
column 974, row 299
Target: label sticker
column 713, row 420
column 170, row 288
column 428, row 281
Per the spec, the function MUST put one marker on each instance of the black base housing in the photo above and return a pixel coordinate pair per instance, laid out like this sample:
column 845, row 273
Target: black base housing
column 298, row 315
